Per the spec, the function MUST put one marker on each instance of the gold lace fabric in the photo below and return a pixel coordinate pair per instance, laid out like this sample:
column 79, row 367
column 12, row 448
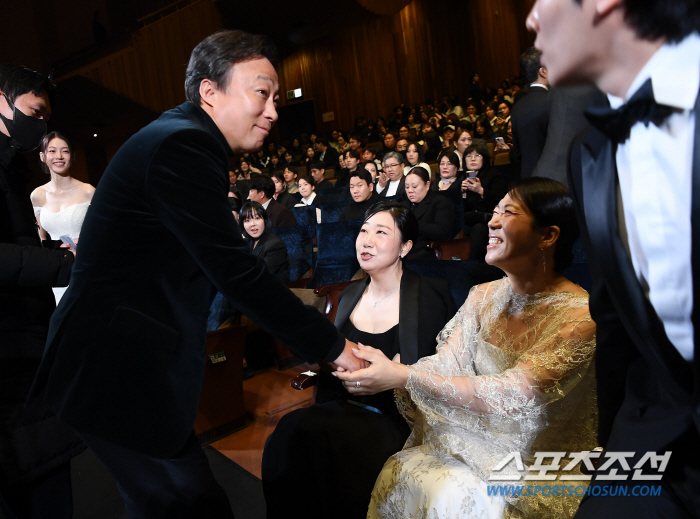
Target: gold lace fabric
column 511, row 373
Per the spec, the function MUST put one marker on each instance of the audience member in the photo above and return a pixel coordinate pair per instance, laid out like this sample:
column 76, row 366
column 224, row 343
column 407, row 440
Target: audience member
column 415, row 157
column 290, row 180
column 434, row 212
column 363, row 196
column 351, row 160
column 450, row 175
column 307, row 190
column 266, row 245
column 281, row 195
column 531, row 115
column 262, row 190
column 391, row 178
column 326, row 154
column 318, row 172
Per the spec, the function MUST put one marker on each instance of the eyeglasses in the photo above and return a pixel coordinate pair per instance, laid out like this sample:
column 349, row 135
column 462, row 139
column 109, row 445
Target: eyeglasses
column 391, row 165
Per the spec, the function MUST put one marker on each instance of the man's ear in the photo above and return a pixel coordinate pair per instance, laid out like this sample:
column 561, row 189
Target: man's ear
column 371, row 186
column 207, row 91
column 543, row 72
column 605, row 7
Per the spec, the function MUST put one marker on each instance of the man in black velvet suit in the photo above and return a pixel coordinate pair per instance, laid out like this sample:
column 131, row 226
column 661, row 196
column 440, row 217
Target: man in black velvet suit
column 635, row 179
column 530, row 115
column 124, row 358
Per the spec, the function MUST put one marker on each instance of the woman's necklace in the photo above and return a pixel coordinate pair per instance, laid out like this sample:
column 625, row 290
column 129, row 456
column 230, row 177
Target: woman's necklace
column 383, row 298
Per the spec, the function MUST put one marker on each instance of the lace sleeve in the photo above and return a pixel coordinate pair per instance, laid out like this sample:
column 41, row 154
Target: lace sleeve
column 562, row 342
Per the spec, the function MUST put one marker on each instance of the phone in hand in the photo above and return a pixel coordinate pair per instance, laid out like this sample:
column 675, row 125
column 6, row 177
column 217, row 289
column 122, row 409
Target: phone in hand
column 68, row 240
column 471, row 174
column 500, row 141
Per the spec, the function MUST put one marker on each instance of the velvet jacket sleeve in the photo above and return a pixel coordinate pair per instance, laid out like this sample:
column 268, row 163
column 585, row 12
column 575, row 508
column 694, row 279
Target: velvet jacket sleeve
column 186, row 189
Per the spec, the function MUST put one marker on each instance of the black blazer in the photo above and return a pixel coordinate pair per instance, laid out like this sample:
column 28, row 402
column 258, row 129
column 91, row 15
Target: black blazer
column 648, row 395
column 273, row 251
column 426, row 306
column 124, row 358
column 332, row 158
column 400, row 191
column 324, row 184
column 530, row 122
column 280, row 215
column 436, row 218
column 495, row 187
column 287, row 199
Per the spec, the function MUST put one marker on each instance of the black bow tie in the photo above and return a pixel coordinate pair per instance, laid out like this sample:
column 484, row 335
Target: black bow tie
column 616, row 123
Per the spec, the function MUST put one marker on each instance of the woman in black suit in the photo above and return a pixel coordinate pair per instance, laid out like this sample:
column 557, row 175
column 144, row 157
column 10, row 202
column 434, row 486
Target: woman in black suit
column 484, row 188
column 435, row 214
column 344, row 441
column 256, row 229
column 450, row 176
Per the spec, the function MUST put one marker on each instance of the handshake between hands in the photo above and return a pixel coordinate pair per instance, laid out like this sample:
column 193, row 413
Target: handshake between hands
column 365, row 370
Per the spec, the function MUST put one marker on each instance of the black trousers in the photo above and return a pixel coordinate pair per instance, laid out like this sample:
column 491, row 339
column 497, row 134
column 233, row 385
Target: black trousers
column 182, row 487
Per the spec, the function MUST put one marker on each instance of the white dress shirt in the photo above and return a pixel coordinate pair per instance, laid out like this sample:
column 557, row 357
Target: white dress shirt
column 655, row 171
column 391, row 188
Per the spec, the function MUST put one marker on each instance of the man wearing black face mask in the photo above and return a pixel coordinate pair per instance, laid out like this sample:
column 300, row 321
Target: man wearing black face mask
column 35, row 449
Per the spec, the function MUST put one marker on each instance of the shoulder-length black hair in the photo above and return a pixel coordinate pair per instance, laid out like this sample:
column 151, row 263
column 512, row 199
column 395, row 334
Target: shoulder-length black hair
column 249, row 209
column 549, row 202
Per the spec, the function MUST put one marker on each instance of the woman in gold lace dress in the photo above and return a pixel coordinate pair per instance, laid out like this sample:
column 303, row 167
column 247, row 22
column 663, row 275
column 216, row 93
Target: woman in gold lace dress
column 513, row 373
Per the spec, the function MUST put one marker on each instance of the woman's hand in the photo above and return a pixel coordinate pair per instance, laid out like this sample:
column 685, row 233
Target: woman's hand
column 383, row 374
column 474, row 184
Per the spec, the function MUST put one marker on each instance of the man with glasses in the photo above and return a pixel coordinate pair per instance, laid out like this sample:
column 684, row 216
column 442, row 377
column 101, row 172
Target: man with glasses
column 391, row 180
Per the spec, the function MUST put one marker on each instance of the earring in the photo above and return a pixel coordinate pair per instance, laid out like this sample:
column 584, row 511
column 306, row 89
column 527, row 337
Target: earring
column 544, row 262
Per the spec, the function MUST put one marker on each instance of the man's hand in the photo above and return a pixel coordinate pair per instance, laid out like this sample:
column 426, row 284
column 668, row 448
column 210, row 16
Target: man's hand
column 347, row 361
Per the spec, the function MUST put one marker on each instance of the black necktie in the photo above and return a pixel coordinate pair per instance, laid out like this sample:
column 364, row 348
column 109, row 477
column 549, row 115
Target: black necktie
column 616, row 123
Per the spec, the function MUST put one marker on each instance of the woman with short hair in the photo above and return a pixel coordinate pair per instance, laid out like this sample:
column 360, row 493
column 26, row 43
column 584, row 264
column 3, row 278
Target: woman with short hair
column 266, row 245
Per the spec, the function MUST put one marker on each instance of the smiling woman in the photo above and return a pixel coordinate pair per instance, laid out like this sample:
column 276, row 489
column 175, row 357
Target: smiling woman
column 61, row 204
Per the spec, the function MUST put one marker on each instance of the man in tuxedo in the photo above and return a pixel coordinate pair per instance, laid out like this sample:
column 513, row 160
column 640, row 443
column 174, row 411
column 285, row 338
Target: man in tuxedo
column 635, row 178
column 124, row 358
column 328, row 155
column 262, row 190
column 530, row 116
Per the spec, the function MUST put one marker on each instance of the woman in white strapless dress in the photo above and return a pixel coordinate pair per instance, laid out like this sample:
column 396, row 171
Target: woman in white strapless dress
column 60, row 205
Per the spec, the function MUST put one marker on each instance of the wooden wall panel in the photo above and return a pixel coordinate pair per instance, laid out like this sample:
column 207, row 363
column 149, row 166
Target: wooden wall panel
column 152, row 71
column 426, row 50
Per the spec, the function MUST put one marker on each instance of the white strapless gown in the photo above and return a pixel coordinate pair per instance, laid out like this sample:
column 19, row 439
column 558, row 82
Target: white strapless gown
column 66, row 221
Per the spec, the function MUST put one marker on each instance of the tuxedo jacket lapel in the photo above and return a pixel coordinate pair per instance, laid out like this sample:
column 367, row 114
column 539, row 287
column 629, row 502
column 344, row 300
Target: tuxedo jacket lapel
column 600, row 187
